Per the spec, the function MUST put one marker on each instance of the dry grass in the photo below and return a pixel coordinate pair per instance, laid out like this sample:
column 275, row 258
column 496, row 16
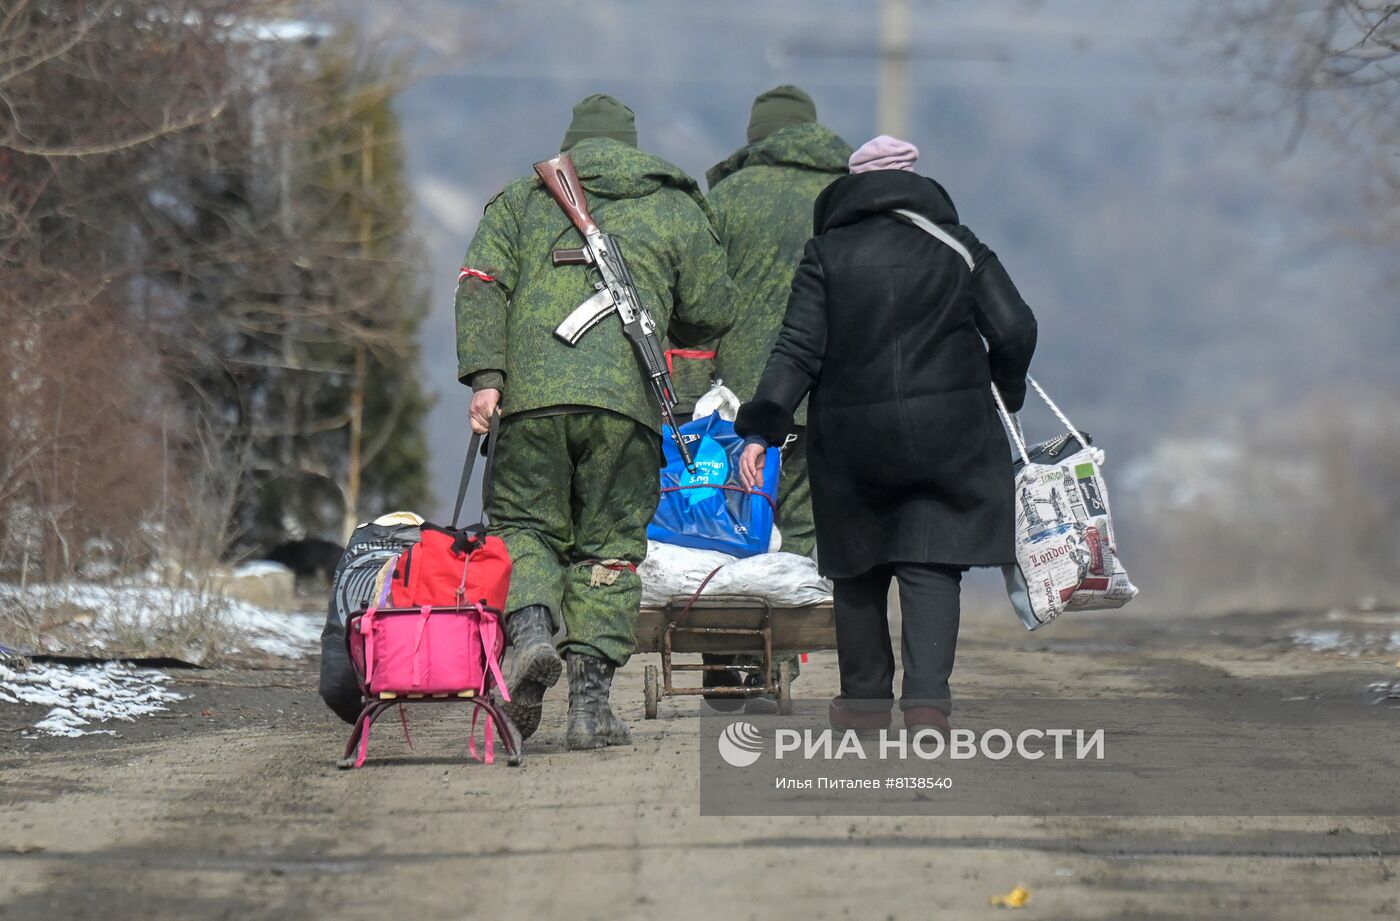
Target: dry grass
column 193, row 627
column 159, row 621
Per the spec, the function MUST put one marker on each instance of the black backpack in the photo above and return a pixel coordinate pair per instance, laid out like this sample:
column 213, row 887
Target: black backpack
column 371, row 547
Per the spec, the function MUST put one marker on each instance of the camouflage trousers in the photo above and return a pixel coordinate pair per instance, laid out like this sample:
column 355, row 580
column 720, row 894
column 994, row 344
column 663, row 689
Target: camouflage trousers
column 571, row 496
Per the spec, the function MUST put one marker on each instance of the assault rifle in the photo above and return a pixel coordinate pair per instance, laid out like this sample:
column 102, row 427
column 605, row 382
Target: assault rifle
column 614, row 292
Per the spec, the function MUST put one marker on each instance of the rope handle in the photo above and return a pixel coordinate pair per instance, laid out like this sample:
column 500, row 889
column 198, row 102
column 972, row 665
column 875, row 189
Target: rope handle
column 689, row 605
column 1012, row 426
column 1059, row 414
column 727, row 487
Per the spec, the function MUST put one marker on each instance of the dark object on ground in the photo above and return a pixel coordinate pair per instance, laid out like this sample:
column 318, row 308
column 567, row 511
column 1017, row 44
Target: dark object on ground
column 137, row 661
column 722, row 679
column 309, row 558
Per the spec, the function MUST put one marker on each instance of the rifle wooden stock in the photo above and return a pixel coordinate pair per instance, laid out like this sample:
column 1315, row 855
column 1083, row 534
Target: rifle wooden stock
column 561, row 179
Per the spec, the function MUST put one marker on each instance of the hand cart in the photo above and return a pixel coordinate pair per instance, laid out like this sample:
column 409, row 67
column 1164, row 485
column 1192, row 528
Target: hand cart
column 730, row 625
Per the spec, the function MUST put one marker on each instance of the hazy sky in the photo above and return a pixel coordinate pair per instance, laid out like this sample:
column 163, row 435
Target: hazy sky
column 1180, row 282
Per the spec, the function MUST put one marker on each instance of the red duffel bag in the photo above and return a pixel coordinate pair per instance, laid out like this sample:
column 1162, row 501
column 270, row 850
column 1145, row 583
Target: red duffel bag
column 451, row 567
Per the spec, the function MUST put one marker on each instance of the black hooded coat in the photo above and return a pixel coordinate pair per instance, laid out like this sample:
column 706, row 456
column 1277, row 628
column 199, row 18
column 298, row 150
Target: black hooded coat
column 898, row 343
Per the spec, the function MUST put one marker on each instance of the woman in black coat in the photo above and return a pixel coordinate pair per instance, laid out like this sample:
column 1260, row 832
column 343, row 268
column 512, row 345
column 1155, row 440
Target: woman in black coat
column 898, row 342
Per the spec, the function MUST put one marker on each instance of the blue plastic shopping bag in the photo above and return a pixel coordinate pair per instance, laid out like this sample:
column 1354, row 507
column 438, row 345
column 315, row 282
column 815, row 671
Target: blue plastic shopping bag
column 710, row 509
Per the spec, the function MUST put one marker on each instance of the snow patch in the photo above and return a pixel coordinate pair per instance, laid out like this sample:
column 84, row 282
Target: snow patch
column 289, row 635
column 153, row 610
column 1348, row 642
column 82, row 695
column 254, row 568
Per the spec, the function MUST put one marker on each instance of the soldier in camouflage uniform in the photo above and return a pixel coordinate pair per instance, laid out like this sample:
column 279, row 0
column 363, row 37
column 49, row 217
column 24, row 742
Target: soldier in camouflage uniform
column 576, row 478
column 762, row 197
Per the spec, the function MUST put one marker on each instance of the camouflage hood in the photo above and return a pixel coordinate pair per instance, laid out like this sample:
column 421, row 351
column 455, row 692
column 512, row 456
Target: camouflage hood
column 810, row 146
column 615, row 170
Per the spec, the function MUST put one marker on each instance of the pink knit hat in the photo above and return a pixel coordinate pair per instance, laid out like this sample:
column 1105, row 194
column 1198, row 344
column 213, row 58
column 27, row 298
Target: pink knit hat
column 884, row 152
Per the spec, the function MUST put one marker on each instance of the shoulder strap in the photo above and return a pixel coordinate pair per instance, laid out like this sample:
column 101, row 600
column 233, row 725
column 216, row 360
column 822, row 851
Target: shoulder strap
column 1012, row 424
column 933, row 230
column 474, row 448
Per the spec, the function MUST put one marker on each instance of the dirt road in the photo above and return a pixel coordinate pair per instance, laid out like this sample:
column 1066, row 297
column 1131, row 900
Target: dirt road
column 230, row 807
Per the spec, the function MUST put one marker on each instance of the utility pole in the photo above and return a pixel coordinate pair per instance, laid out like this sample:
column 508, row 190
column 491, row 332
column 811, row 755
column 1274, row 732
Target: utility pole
column 897, row 47
column 892, row 103
column 357, row 392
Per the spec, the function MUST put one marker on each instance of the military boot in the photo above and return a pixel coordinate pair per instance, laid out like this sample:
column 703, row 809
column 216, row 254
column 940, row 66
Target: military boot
column 536, row 669
column 592, row 723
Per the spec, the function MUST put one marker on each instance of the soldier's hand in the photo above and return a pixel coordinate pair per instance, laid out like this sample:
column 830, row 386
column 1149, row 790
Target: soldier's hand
column 484, row 403
column 751, row 464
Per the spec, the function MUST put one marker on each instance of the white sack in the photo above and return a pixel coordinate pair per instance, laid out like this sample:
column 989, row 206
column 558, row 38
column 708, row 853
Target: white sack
column 720, row 399
column 782, row 579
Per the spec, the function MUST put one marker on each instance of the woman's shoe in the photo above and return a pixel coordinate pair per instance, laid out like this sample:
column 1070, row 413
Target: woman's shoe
column 844, row 717
column 918, row 718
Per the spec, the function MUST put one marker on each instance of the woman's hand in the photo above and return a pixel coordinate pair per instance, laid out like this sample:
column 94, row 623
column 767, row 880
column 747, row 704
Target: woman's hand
column 484, row 404
column 751, row 464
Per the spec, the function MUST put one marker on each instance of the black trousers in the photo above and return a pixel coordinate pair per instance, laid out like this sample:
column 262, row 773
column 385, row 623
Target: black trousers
column 929, row 602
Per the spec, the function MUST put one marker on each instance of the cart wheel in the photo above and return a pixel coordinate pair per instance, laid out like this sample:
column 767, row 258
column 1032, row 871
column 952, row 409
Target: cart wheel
column 653, row 691
column 784, row 689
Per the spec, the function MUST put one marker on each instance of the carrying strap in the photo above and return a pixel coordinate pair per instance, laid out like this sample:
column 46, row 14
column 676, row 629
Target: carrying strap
column 363, row 751
column 933, row 230
column 488, row 753
column 424, row 612
column 366, row 628
column 1059, row 414
column 492, row 644
column 474, row 448
column 489, row 626
column 1012, row 424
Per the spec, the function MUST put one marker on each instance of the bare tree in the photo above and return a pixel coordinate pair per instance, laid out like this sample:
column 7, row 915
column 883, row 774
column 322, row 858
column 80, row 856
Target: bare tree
column 203, row 242
column 1328, row 70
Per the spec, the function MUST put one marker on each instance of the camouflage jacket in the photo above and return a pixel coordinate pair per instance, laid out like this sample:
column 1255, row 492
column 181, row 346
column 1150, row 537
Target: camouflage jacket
column 762, row 198
column 510, row 296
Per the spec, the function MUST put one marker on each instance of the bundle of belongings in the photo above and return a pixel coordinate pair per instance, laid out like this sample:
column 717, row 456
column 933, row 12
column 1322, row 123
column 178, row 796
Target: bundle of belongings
column 783, row 580
column 416, row 616
column 708, row 526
